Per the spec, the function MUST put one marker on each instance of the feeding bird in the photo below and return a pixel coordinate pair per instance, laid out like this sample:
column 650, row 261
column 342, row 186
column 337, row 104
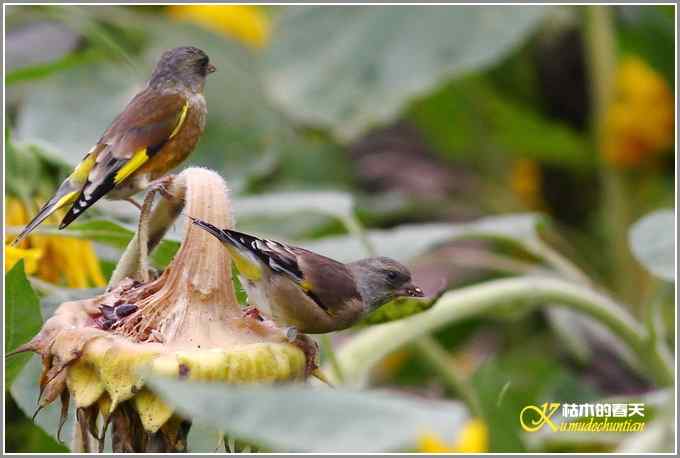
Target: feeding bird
column 305, row 291
column 156, row 131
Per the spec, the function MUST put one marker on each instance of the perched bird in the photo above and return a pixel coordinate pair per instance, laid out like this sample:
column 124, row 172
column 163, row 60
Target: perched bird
column 300, row 289
column 156, row 131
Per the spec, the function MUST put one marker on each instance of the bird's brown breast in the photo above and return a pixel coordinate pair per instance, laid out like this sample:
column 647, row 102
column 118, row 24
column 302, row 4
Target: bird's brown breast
column 179, row 147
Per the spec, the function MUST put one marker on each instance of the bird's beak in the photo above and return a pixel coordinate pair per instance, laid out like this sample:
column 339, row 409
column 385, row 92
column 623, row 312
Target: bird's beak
column 211, row 68
column 410, row 290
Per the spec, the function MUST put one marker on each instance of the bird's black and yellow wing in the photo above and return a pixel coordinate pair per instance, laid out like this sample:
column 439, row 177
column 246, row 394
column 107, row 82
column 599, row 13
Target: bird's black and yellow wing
column 68, row 192
column 328, row 282
column 135, row 136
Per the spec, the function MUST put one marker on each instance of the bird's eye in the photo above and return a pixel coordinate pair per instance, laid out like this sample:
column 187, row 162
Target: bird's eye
column 392, row 275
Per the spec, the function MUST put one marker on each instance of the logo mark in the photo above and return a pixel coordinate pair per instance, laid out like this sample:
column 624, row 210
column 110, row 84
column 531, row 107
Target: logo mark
column 532, row 418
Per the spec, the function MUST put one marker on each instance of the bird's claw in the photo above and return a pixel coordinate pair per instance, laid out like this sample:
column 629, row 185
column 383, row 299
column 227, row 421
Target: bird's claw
column 161, row 186
column 310, row 348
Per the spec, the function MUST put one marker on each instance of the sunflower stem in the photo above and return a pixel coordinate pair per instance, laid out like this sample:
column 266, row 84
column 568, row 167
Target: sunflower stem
column 600, row 48
column 521, row 293
column 354, row 227
column 327, row 348
column 431, row 351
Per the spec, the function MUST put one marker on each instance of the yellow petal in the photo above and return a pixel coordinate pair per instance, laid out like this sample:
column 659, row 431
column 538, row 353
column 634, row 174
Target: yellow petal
column 84, row 384
column 153, row 412
column 30, row 256
column 247, row 23
column 431, row 443
column 474, row 438
column 93, row 269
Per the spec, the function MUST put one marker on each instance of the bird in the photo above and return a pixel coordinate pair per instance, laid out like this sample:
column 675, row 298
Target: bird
column 156, row 131
column 303, row 291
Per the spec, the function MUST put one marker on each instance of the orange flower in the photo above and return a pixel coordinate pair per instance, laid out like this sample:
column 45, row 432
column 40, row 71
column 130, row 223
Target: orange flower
column 526, row 182
column 640, row 122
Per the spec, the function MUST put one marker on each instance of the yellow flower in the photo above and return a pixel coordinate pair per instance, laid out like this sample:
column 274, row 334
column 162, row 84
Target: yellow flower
column 30, row 257
column 52, row 258
column 246, row 23
column 474, row 438
column 526, row 182
column 639, row 124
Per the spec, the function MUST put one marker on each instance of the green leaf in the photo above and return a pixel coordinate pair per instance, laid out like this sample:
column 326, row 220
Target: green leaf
column 23, row 318
column 402, row 307
column 204, row 439
column 496, row 122
column 332, row 203
column 368, row 347
column 524, row 374
column 350, row 68
column 649, row 31
column 116, row 235
column 46, row 69
column 26, row 391
column 301, row 418
column 407, row 241
column 24, row 436
column 653, row 244
column 21, row 162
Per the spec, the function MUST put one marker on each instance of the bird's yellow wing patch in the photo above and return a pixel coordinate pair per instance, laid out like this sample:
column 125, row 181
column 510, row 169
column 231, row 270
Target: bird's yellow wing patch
column 135, row 162
column 249, row 269
column 182, row 117
column 66, row 199
column 305, row 285
column 83, row 169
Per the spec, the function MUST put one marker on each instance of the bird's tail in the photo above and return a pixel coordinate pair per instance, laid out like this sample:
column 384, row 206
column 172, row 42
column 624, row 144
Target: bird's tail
column 64, row 196
column 240, row 247
column 234, row 238
column 213, row 230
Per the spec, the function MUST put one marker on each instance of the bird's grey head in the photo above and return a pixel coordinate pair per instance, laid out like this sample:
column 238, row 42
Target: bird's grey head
column 186, row 66
column 382, row 279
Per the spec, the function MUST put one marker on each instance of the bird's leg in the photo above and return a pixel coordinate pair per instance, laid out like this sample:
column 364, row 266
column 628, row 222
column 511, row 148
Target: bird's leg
column 291, row 333
column 143, row 234
column 161, row 185
column 311, row 350
column 134, row 202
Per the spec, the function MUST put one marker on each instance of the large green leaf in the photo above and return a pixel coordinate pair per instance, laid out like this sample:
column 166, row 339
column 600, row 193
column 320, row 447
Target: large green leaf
column 349, row 68
column 116, row 235
column 518, row 294
column 23, row 318
column 471, row 116
column 332, row 203
column 653, row 242
column 301, row 418
column 407, row 241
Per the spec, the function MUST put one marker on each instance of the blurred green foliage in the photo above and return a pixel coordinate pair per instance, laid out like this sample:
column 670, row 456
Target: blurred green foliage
column 411, row 121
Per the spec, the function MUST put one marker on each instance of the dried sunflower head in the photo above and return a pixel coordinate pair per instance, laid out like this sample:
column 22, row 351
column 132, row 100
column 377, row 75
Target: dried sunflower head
column 186, row 323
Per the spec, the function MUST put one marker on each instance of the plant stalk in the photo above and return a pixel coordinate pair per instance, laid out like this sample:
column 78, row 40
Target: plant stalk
column 441, row 362
column 616, row 200
column 369, row 347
